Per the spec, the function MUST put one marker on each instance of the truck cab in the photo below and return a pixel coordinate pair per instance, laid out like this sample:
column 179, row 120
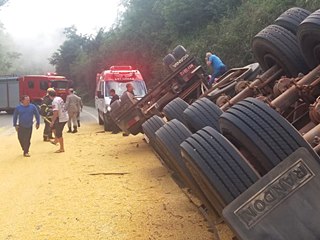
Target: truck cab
column 117, row 77
column 36, row 86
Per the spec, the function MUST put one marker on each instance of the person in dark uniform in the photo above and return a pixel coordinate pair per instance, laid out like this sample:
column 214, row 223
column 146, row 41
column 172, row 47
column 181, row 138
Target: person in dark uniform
column 113, row 95
column 46, row 113
column 115, row 129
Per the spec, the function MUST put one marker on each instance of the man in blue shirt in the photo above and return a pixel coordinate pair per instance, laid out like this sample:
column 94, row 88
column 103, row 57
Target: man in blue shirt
column 25, row 113
column 218, row 67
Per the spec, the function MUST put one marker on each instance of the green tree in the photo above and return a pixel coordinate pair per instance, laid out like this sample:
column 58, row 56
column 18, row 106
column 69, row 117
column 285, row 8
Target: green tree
column 68, row 52
column 148, row 29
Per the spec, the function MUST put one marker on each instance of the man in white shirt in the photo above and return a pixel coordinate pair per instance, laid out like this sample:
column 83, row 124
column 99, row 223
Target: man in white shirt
column 59, row 119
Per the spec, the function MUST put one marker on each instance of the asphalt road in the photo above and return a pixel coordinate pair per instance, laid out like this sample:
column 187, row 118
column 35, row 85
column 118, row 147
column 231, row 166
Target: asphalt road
column 88, row 115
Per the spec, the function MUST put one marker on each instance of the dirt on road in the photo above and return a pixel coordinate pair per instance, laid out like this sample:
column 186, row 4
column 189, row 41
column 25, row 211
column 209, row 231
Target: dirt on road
column 105, row 186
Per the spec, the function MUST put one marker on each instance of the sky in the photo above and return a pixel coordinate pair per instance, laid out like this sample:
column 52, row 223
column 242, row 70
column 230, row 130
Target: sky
column 36, row 25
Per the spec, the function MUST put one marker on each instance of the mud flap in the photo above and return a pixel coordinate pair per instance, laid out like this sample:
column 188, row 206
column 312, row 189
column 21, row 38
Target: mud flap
column 283, row 204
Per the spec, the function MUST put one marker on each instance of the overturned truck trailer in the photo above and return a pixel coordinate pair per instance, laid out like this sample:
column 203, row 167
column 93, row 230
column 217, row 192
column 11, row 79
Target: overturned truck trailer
column 249, row 150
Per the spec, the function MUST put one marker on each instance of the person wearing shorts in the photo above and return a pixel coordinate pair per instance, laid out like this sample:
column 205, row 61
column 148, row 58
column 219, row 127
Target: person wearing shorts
column 58, row 127
column 59, row 119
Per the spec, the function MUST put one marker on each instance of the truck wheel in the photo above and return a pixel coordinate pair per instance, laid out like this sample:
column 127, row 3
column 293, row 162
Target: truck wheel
column 106, row 123
column 261, row 134
column 179, row 52
column 169, row 59
column 151, row 126
column 275, row 45
column 309, row 39
column 215, row 163
column 174, row 109
column 99, row 119
column 169, row 137
column 202, row 113
column 292, row 18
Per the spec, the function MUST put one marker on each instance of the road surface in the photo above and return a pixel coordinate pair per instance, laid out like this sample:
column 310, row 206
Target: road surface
column 105, row 186
column 88, row 115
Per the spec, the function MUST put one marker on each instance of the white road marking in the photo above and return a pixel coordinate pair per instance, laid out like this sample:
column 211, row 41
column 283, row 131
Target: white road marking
column 90, row 114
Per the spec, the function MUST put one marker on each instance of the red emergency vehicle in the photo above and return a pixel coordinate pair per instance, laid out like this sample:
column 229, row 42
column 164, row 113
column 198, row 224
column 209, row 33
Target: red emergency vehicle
column 35, row 86
column 116, row 78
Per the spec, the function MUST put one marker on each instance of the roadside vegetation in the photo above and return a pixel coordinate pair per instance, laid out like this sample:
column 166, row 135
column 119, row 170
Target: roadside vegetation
column 148, row 29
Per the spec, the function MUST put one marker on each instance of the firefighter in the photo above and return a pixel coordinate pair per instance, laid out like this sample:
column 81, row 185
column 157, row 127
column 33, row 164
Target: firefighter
column 46, row 112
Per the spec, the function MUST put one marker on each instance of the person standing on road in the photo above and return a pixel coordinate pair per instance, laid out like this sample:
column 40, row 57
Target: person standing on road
column 73, row 107
column 115, row 129
column 218, row 67
column 128, row 98
column 25, row 113
column 59, row 119
column 81, row 106
column 129, row 94
column 113, row 95
column 46, row 113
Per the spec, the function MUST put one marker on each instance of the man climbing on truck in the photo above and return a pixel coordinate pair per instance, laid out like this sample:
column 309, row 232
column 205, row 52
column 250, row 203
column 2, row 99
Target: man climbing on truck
column 218, row 67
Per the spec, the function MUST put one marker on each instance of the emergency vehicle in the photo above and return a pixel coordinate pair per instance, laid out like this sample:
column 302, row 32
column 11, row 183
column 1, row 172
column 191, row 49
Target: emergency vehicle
column 35, row 86
column 117, row 77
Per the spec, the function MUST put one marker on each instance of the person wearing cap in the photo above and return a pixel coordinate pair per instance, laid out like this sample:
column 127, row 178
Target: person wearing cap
column 218, row 67
column 73, row 107
column 46, row 113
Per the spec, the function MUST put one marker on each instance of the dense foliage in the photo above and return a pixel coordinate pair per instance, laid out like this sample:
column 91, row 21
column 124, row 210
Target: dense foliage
column 149, row 29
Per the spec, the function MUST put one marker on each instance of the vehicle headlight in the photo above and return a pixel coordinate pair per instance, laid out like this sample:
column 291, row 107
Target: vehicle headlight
column 108, row 108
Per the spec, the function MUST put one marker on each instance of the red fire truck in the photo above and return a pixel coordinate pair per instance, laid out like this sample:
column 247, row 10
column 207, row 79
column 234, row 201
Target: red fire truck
column 35, row 86
column 116, row 78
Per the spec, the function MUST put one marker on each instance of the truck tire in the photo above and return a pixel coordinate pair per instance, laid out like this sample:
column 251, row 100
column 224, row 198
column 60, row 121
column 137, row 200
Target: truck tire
column 99, row 119
column 309, row 39
column 174, row 109
column 202, row 113
column 169, row 59
column 179, row 52
column 292, row 18
column 150, row 127
column 218, row 165
column 275, row 45
column 106, row 123
column 261, row 133
column 169, row 137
